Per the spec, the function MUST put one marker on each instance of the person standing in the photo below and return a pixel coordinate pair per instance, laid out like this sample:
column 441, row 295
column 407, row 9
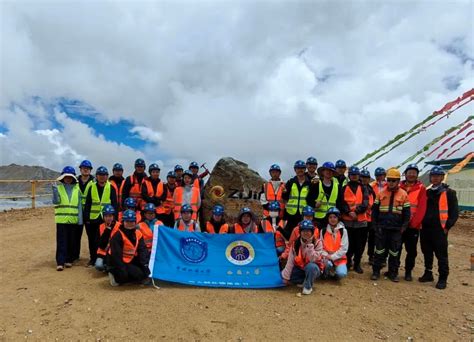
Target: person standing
column 116, row 180
column 84, row 181
column 365, row 180
column 132, row 187
column 273, row 190
column 296, row 191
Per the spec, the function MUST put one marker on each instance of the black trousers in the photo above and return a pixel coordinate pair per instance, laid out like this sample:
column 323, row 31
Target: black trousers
column 410, row 240
column 65, row 243
column 292, row 220
column 76, row 248
column 370, row 240
column 93, row 234
column 357, row 239
column 435, row 240
column 132, row 272
column 387, row 240
column 167, row 219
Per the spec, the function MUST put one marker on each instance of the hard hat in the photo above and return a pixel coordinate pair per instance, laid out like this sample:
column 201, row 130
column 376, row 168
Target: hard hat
column 393, row 173
column 193, row 165
column 365, row 173
column 69, row 170
column 333, row 210
column 380, row 171
column 306, row 225
column 327, row 166
column 102, row 170
column 308, row 210
column 129, row 215
column 171, row 174
column 274, row 206
column 218, row 210
column 86, row 163
column 149, row 207
column 130, row 202
column 354, row 171
column 153, row 167
column 108, row 210
column 188, row 173
column 245, row 210
column 341, row 163
column 412, row 167
column 299, row 164
column 186, row 208
column 275, row 167
column 437, row 170
column 312, row 161
column 118, row 167
column 178, row 167
column 140, row 162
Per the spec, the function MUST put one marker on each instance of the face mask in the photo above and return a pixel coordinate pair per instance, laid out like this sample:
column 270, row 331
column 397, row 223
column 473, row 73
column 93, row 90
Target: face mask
column 274, row 214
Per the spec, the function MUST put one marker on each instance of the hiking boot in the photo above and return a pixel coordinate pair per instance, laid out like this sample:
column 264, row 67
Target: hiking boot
column 112, row 280
column 441, row 284
column 375, row 276
column 306, row 291
column 358, row 269
column 394, row 277
column 59, row 268
column 68, row 265
column 426, row 277
column 408, row 276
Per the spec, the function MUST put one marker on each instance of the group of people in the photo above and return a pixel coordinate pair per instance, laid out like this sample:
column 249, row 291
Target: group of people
column 321, row 219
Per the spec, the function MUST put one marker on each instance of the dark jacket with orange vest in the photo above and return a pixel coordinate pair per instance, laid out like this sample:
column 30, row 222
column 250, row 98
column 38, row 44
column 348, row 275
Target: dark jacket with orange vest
column 372, row 196
column 391, row 209
column 442, row 209
column 117, row 182
column 213, row 227
column 127, row 246
column 148, row 228
column 417, row 197
column 153, row 191
column 355, row 198
column 132, row 187
column 104, row 239
column 272, row 191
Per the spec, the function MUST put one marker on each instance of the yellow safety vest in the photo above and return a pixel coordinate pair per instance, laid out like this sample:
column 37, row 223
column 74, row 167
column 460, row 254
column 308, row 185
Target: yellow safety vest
column 86, row 191
column 297, row 200
column 326, row 203
column 67, row 211
column 99, row 203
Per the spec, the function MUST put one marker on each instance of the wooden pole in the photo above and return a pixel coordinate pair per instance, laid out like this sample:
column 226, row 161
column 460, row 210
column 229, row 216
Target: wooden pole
column 33, row 194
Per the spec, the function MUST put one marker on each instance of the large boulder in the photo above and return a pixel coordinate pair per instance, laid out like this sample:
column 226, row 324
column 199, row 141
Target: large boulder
column 234, row 185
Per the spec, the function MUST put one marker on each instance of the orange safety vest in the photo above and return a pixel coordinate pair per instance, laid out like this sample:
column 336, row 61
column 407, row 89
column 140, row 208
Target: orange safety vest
column 102, row 227
column 368, row 213
column 272, row 195
column 443, row 209
column 138, row 216
column 400, row 201
column 413, row 198
column 151, row 193
column 135, row 190
column 117, row 192
column 300, row 261
column 167, row 205
column 238, row 229
column 147, row 233
column 129, row 250
column 332, row 245
column 353, row 200
column 375, row 186
column 210, row 228
column 182, row 227
column 196, row 183
column 178, row 195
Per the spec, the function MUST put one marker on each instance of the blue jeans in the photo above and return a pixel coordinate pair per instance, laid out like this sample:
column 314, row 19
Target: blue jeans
column 338, row 272
column 307, row 276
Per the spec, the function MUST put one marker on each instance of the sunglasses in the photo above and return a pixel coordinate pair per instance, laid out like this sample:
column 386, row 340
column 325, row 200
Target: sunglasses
column 392, row 180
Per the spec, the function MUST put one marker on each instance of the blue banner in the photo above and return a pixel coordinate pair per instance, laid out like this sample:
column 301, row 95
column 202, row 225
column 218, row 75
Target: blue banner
column 215, row 260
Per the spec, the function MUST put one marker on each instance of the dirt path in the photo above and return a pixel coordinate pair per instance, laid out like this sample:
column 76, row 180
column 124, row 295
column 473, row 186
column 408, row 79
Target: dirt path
column 78, row 304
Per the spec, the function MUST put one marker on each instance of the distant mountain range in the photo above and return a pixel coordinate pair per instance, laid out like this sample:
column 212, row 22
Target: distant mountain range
column 25, row 172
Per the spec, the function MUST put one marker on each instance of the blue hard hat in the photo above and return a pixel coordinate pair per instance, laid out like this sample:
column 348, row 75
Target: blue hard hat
column 153, row 167
column 186, row 208
column 274, row 206
column 102, row 170
column 129, row 215
column 354, row 171
column 308, row 210
column 193, row 164
column 188, row 173
column 130, row 202
column 365, row 173
column 68, row 169
column 333, row 210
column 341, row 163
column 275, row 167
column 171, row 174
column 412, row 167
column 140, row 162
column 437, row 170
column 327, row 166
column 108, row 210
column 149, row 207
column 312, row 161
column 178, row 167
column 86, row 163
column 299, row 164
column 380, row 171
column 218, row 210
column 306, row 225
column 118, row 167
column 245, row 210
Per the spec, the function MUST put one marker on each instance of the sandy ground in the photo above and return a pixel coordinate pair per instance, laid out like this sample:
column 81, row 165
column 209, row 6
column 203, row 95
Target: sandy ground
column 39, row 303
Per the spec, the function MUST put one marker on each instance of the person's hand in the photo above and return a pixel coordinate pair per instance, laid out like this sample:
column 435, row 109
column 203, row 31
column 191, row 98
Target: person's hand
column 353, row 215
column 317, row 204
column 315, row 180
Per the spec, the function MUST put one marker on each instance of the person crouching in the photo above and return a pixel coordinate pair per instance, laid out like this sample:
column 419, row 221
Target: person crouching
column 106, row 231
column 335, row 245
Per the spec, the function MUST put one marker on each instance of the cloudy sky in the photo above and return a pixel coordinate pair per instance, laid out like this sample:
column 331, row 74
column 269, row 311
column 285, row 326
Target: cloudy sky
column 264, row 82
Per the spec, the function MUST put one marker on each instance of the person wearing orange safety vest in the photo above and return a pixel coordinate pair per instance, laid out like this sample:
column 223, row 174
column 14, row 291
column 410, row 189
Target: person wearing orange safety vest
column 153, row 188
column 274, row 224
column 442, row 212
column 130, row 204
column 217, row 221
column 132, row 187
column 128, row 257
column 198, row 179
column 335, row 246
column 305, row 259
column 165, row 212
column 116, row 180
column 106, row 231
column 186, row 223
column 149, row 225
column 391, row 216
column 187, row 194
column 379, row 183
column 365, row 180
column 417, row 196
column 355, row 201
column 246, row 223
column 308, row 214
column 273, row 190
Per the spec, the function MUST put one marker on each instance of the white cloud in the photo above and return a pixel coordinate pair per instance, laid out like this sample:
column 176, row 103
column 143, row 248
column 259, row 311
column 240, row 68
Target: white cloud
column 147, row 133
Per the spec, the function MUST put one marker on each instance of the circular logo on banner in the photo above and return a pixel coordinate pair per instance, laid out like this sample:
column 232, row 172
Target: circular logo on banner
column 193, row 250
column 240, row 252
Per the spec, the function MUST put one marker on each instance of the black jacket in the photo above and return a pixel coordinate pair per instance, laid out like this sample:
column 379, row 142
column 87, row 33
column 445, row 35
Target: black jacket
column 314, row 193
column 390, row 220
column 365, row 198
column 155, row 200
column 128, row 185
column 431, row 219
column 286, row 195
